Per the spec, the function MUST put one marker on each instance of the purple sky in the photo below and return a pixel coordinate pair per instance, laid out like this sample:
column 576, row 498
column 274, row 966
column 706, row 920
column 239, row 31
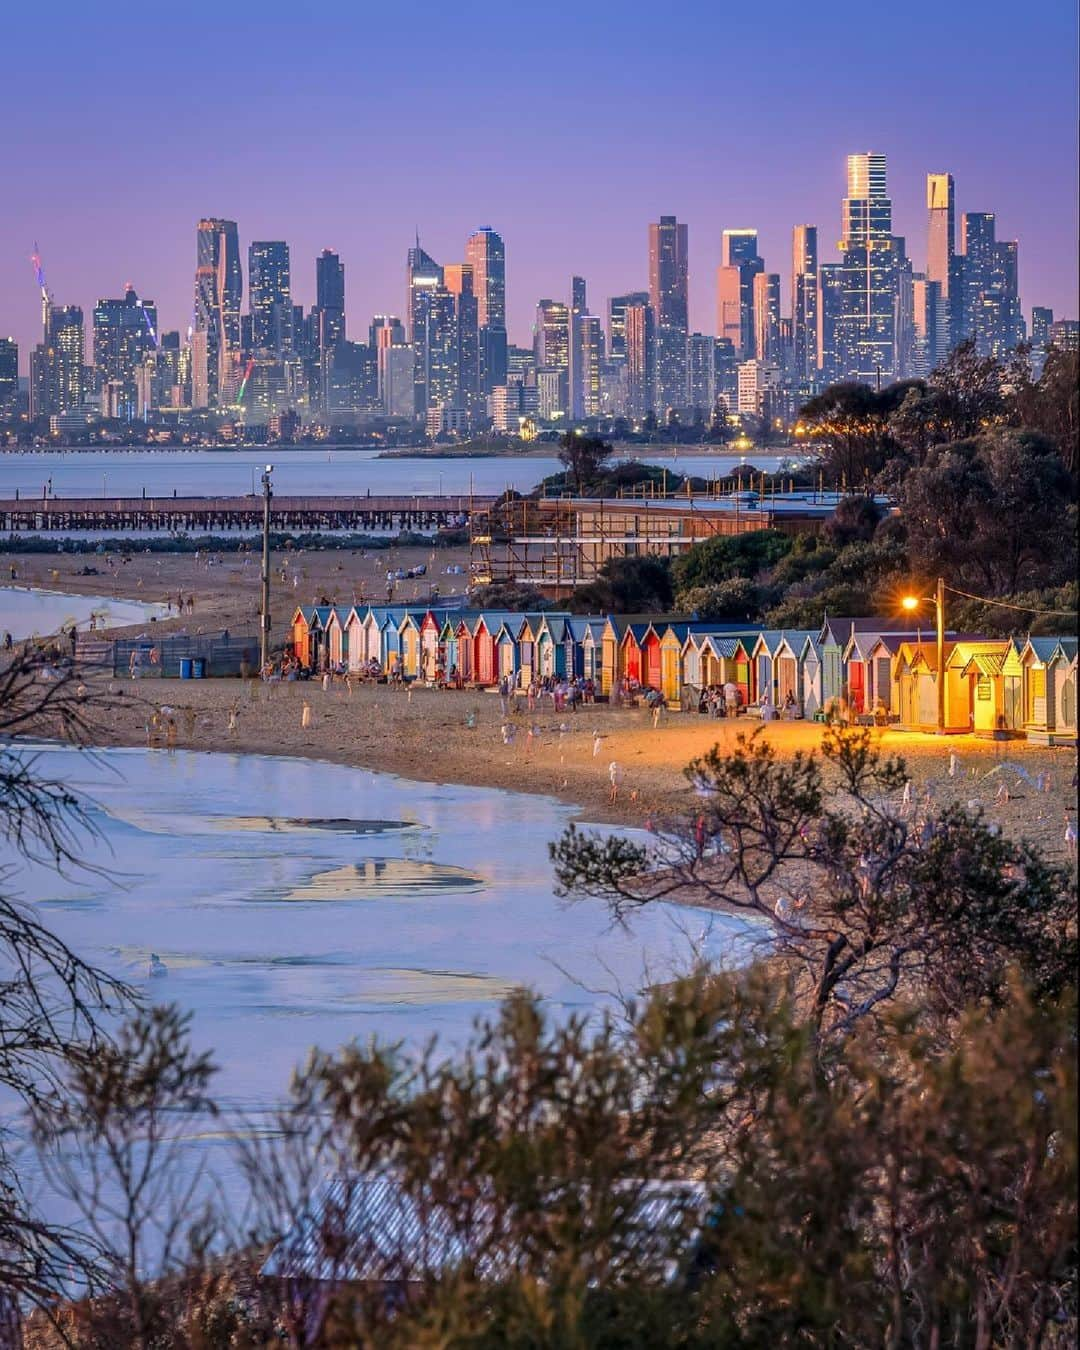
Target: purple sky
column 566, row 126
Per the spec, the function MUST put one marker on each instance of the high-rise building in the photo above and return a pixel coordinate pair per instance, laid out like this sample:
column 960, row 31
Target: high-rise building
column 766, row 294
column 58, row 381
column 1042, row 320
column 578, row 299
column 617, row 307
column 9, row 377
column 868, row 335
column 929, row 316
column 829, row 302
column 804, row 300
column 551, row 344
column 757, row 381
column 991, row 299
column 329, row 300
column 423, row 280
column 386, row 330
column 395, row 371
column 1065, row 335
column 219, row 290
column 486, row 255
column 270, row 298
column 459, row 280
column 669, row 297
column 739, row 264
column 640, row 327
column 941, row 253
column 701, row 372
column 125, row 332
column 586, row 356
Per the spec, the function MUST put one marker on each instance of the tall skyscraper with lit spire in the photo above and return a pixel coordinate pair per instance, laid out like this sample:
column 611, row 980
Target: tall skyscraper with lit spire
column 219, row 290
column 869, row 321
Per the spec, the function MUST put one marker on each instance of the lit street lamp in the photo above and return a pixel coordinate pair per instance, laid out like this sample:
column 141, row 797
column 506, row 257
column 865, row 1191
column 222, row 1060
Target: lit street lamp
column 912, row 602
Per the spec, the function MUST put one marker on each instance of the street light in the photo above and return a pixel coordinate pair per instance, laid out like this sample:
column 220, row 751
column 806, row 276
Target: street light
column 911, row 603
column 264, row 623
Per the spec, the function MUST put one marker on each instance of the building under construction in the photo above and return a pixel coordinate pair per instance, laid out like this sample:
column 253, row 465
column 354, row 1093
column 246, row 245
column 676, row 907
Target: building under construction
column 557, row 543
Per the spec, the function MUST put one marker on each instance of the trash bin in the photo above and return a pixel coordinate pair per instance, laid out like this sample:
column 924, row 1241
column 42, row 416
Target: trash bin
column 198, row 668
column 185, row 667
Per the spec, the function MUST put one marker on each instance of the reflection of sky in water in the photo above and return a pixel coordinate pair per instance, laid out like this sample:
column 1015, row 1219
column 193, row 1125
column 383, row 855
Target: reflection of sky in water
column 433, row 907
column 29, row 612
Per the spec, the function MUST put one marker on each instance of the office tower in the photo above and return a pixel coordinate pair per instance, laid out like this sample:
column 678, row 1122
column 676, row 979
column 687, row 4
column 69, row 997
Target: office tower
column 668, row 295
column 1065, row 335
column 617, row 307
column 701, row 372
column 423, row 280
column 578, row 301
column 586, row 355
column 270, row 298
column 219, row 290
column 9, row 377
column 804, row 299
column 159, row 379
column 551, row 344
column 766, row 297
column 1042, row 320
column 351, row 384
column 929, row 316
column 829, row 302
column 521, row 365
column 739, row 264
column 991, row 300
column 640, row 326
column 726, row 368
column 867, row 333
column 125, row 332
column 486, row 255
column 386, row 330
column 941, row 252
column 459, row 280
column 329, row 301
column 57, row 366
column 395, row 373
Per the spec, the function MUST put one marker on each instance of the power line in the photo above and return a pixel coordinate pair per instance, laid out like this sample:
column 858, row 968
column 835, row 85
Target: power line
column 1005, row 604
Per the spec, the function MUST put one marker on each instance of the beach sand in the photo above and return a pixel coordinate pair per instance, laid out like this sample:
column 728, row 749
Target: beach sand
column 427, row 735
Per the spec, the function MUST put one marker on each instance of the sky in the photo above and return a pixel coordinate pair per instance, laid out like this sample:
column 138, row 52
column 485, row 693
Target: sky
column 566, row 126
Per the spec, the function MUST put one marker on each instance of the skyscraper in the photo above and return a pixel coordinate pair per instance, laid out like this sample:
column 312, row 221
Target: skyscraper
column 219, row 290
column 486, row 255
column 766, row 293
column 617, row 306
column 9, row 377
column 586, row 354
column 125, row 333
column 551, row 343
column 329, row 300
column 941, row 254
column 739, row 264
column 701, row 372
column 270, row 298
column 804, row 299
column 928, row 317
column 423, row 279
column 990, row 271
column 669, row 297
column 1042, row 320
column 459, row 279
column 640, row 352
column 867, row 334
column 57, row 365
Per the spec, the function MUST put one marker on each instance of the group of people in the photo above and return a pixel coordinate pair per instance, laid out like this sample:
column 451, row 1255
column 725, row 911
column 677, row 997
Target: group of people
column 564, row 693
column 721, row 700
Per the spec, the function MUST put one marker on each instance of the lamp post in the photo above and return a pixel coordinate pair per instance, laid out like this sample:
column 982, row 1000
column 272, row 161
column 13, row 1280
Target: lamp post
column 264, row 619
column 911, row 602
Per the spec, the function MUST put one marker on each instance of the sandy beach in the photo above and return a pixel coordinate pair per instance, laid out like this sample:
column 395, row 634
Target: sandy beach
column 456, row 736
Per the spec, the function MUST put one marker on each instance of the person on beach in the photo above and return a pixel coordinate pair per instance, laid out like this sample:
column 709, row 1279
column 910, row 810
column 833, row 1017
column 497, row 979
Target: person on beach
column 615, row 775
column 596, row 738
column 305, row 716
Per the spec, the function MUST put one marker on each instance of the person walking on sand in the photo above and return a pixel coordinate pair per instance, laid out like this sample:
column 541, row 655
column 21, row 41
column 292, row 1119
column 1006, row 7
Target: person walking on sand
column 596, row 738
column 305, row 716
column 615, row 778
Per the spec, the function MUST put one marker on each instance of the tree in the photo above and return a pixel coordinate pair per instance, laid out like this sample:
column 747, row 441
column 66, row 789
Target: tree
column 855, row 518
column 52, row 1003
column 634, row 585
column 736, row 598
column 724, row 557
column 849, row 425
column 866, row 903
column 583, row 456
column 995, row 512
column 1051, row 404
column 963, row 397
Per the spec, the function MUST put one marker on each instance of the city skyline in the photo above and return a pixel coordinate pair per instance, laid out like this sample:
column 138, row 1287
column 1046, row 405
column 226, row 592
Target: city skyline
column 398, row 130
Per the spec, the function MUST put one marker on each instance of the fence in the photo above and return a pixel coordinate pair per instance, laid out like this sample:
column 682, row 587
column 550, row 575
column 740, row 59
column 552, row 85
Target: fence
column 222, row 654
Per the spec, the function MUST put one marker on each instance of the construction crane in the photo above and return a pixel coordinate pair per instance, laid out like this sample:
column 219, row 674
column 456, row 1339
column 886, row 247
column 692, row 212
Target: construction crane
column 46, row 299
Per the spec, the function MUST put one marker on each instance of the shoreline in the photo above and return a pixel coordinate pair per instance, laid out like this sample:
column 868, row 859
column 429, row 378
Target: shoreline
column 455, row 737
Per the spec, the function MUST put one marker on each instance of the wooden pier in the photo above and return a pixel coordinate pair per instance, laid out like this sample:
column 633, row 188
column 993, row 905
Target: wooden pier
column 223, row 514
